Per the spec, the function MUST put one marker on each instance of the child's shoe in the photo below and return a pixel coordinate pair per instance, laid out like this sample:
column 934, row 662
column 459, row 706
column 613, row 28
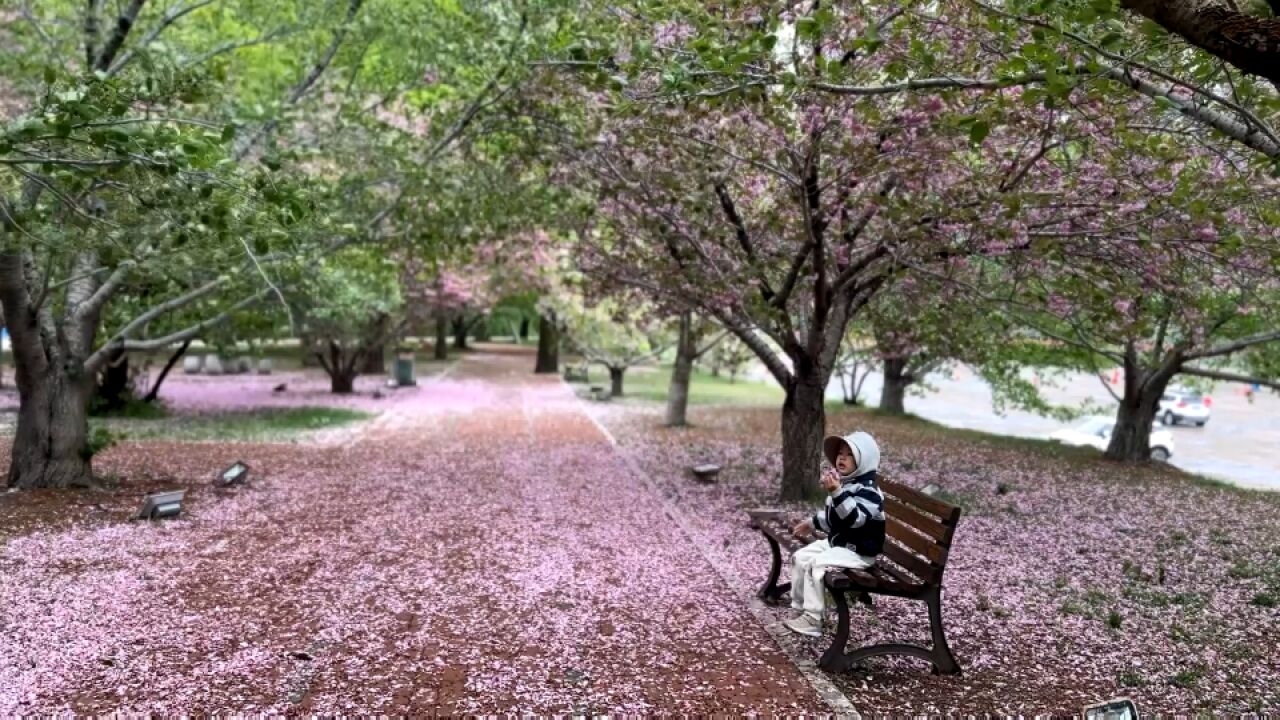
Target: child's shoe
column 805, row 625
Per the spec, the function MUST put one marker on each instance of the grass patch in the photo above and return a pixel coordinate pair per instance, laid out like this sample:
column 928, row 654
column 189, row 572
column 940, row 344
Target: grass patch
column 1187, row 678
column 1266, row 600
column 255, row 425
column 1152, row 597
column 133, row 408
column 651, row 383
column 1071, row 607
column 1244, row 570
column 1130, row 679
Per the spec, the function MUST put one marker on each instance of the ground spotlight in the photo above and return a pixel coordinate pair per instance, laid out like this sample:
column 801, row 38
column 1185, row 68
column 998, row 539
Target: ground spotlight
column 161, row 505
column 234, row 475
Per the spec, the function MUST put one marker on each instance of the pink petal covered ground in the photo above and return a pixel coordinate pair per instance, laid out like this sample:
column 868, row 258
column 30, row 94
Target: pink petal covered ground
column 477, row 548
column 480, row 547
column 1050, row 554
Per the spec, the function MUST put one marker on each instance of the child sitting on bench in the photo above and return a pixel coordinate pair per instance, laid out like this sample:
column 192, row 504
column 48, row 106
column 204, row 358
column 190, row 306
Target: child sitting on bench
column 853, row 521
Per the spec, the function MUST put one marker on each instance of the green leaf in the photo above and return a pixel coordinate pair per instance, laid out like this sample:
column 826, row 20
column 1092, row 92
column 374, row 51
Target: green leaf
column 228, row 132
column 978, row 131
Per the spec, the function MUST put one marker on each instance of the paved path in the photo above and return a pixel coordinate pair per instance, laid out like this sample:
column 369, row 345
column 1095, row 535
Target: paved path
column 482, row 548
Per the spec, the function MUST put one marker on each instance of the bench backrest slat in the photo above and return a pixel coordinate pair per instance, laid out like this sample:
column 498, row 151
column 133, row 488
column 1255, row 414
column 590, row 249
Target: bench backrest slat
column 917, row 520
column 919, row 529
column 914, row 564
column 911, row 496
column 903, row 533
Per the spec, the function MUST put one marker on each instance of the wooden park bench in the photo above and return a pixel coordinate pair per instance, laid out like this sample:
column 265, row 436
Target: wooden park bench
column 918, row 531
column 576, row 373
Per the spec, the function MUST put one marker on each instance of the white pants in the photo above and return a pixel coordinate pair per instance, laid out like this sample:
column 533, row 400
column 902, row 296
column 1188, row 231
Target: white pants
column 809, row 564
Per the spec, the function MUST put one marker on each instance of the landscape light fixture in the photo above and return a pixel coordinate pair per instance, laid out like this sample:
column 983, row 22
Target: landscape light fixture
column 161, row 505
column 706, row 472
column 234, row 475
column 1118, row 709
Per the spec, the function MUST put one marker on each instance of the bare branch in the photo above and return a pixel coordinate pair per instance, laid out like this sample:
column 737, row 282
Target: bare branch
column 232, row 46
column 1234, row 346
column 177, row 337
column 164, row 307
column 1229, row 377
column 304, row 86
column 30, row 17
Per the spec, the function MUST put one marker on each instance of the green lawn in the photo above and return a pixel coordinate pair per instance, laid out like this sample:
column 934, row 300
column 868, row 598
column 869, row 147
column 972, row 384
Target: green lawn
column 266, row 424
column 650, row 383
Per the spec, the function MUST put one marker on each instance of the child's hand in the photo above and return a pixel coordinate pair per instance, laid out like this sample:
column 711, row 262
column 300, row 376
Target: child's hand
column 804, row 528
column 830, row 481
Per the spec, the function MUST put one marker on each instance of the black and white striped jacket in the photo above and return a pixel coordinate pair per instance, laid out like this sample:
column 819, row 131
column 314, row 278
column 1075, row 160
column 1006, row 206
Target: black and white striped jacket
column 854, row 516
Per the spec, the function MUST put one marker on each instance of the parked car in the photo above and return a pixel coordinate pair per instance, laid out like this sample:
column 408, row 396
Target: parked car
column 1096, row 432
column 1178, row 405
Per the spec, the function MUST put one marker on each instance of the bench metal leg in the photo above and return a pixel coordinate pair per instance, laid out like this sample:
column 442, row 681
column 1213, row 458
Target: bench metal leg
column 771, row 592
column 835, row 659
column 943, row 661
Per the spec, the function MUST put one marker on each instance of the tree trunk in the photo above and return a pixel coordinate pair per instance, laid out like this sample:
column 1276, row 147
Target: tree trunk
column 804, row 422
column 615, row 381
column 307, row 341
column 375, row 360
column 524, row 330
column 342, row 382
column 896, row 380
column 681, row 372
column 154, row 392
column 442, row 338
column 460, row 333
column 50, row 447
column 548, row 346
column 1131, row 438
column 114, row 390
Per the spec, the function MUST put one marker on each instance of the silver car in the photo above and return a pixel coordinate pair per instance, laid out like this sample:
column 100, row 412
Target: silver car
column 1183, row 406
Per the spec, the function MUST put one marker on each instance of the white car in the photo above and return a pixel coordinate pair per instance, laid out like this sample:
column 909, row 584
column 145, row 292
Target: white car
column 1178, row 405
column 1096, row 432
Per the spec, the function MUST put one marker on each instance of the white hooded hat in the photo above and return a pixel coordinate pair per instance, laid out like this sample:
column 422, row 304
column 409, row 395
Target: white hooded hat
column 866, row 453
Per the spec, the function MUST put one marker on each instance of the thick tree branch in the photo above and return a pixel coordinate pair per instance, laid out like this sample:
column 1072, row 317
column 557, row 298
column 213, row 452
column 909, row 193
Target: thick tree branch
column 99, row 357
column 1248, row 42
column 95, row 302
column 744, row 239
column 1234, row 346
column 1229, row 377
column 171, row 16
column 164, row 307
column 124, row 23
column 1249, row 136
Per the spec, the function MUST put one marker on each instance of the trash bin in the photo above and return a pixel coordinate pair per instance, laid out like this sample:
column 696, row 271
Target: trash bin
column 404, row 370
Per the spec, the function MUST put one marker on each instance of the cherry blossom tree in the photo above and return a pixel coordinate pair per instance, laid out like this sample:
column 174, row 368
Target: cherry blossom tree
column 608, row 333
column 694, row 338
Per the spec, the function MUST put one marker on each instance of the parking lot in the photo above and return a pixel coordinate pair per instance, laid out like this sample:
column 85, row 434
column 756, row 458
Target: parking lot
column 1240, row 444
